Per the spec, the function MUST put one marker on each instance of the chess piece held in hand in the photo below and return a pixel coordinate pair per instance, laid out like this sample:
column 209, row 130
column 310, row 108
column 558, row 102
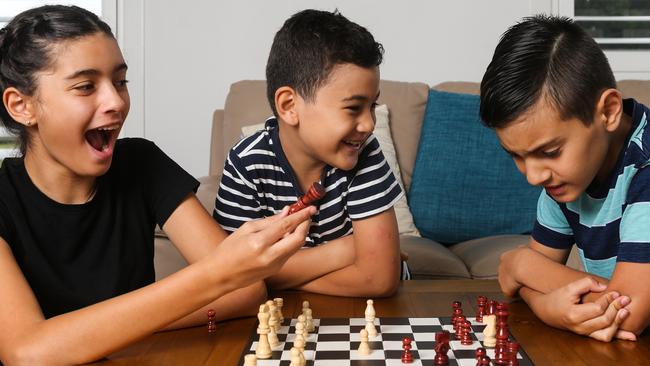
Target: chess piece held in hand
column 316, row 192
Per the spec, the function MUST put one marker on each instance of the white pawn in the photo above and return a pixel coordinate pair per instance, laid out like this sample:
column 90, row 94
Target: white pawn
column 364, row 346
column 279, row 303
column 302, row 319
column 263, row 350
column 370, row 319
column 309, row 320
column 299, row 342
column 274, row 320
column 490, row 331
column 250, row 360
column 273, row 328
column 295, row 357
column 300, row 330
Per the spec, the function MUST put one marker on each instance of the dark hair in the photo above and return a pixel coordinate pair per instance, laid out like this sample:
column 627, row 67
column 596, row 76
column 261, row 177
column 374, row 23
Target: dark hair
column 25, row 47
column 310, row 44
column 544, row 57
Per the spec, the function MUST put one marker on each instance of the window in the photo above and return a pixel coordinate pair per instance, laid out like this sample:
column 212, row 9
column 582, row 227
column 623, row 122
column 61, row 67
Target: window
column 106, row 9
column 616, row 24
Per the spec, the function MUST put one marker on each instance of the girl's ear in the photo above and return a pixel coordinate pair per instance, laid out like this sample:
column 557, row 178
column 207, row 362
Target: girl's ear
column 286, row 99
column 19, row 106
column 610, row 109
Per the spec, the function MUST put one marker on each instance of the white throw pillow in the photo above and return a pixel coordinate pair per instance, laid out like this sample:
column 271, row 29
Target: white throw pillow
column 382, row 133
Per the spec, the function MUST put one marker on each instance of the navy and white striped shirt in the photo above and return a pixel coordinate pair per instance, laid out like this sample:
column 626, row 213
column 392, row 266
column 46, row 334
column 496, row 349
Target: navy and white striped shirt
column 609, row 223
column 258, row 182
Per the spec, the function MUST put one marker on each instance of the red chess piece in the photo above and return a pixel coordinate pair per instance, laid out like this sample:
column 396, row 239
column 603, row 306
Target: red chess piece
column 441, row 347
column 407, row 357
column 466, row 333
column 485, row 361
column 212, row 326
column 492, row 307
column 456, row 305
column 513, row 349
column 315, row 192
column 459, row 326
column 482, row 304
column 479, row 353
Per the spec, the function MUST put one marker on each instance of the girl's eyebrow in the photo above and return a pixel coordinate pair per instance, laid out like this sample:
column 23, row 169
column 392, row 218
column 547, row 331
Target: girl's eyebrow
column 95, row 72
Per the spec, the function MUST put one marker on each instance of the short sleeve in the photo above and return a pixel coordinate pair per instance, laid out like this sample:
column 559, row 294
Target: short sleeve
column 551, row 227
column 166, row 184
column 373, row 188
column 237, row 201
column 635, row 221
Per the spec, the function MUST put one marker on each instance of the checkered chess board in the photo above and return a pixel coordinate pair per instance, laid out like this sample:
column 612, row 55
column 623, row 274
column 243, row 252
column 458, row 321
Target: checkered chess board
column 336, row 340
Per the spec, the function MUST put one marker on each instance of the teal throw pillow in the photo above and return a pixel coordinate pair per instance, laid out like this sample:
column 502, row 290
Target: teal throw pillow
column 465, row 186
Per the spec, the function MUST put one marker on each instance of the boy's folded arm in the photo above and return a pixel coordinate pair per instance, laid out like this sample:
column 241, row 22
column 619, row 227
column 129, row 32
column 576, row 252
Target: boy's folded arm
column 311, row 263
column 537, row 258
column 630, row 279
column 375, row 271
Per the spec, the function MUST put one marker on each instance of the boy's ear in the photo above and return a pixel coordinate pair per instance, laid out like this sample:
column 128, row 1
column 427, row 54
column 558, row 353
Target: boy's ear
column 19, row 106
column 610, row 109
column 285, row 105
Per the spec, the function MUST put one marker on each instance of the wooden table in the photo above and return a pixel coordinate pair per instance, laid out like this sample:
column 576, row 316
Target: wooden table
column 543, row 344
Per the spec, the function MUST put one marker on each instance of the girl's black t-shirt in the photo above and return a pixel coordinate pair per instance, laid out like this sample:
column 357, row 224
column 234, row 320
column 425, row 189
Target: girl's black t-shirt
column 77, row 255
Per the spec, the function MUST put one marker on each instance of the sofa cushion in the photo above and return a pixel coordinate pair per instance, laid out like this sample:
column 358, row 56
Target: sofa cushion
column 464, row 185
column 482, row 255
column 431, row 260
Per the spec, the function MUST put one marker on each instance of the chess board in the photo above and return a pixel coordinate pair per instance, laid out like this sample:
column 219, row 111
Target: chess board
column 335, row 342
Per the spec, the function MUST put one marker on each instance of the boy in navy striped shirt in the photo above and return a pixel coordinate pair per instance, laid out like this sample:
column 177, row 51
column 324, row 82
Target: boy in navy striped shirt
column 551, row 98
column 323, row 84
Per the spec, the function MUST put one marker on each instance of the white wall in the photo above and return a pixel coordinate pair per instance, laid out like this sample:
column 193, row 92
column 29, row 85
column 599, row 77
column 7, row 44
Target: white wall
column 183, row 55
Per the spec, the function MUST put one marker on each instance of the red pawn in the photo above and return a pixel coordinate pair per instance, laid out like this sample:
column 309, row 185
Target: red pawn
column 482, row 304
column 513, row 349
column 407, row 357
column 466, row 336
column 479, row 353
column 316, row 192
column 212, row 326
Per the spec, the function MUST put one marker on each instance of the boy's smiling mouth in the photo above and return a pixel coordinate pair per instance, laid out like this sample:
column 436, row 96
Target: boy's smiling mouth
column 355, row 144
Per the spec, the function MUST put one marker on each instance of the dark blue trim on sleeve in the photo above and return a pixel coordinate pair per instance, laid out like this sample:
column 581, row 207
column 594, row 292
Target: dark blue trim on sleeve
column 634, row 252
column 551, row 238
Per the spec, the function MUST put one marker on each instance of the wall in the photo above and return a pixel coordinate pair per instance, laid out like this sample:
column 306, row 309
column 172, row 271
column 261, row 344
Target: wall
column 184, row 55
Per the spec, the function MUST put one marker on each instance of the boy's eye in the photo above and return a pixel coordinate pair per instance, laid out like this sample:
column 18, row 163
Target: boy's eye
column 551, row 153
column 353, row 108
column 121, row 83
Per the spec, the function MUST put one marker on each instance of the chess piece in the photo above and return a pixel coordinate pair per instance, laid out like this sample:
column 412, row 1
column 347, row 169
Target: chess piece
column 370, row 318
column 309, row 320
column 441, row 347
column 299, row 342
column 489, row 333
column 466, row 336
column 492, row 307
column 482, row 303
column 316, row 192
column 364, row 346
column 279, row 303
column 407, row 357
column 454, row 315
column 502, row 335
column 480, row 352
column 300, row 330
column 250, row 360
column 263, row 350
column 485, row 361
column 513, row 350
column 212, row 326
column 295, row 357
column 302, row 319
column 273, row 325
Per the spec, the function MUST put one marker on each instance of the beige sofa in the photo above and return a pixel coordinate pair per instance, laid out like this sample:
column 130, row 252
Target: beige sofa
column 246, row 105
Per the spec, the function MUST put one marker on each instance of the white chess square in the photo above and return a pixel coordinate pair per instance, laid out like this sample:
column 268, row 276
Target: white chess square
column 458, row 346
column 331, row 363
column 424, row 321
column 362, row 321
column 424, row 337
column 395, row 329
column 398, row 362
column 332, row 346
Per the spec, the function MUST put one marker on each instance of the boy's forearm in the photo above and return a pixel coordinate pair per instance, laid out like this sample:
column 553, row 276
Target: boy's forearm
column 311, row 263
column 358, row 280
column 530, row 264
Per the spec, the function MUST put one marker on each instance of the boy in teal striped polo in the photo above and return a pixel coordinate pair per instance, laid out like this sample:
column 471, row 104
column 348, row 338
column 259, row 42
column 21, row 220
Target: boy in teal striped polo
column 551, row 97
